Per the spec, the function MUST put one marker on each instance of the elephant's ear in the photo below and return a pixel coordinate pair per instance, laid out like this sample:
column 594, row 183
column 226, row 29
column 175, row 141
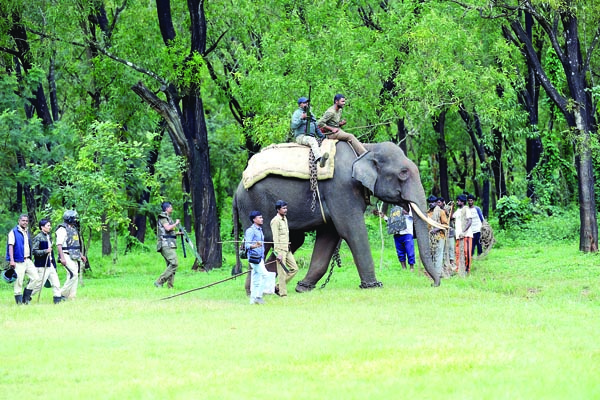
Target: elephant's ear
column 364, row 170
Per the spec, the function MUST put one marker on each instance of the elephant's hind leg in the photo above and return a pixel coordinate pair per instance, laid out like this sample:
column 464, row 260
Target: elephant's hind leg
column 325, row 243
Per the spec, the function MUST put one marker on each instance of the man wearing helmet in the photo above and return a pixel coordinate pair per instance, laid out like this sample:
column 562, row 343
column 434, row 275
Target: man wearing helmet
column 18, row 255
column 167, row 244
column 286, row 264
column 69, row 252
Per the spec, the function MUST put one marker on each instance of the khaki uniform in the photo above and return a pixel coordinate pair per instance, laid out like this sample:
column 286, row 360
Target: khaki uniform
column 332, row 118
column 67, row 237
column 166, row 246
column 281, row 237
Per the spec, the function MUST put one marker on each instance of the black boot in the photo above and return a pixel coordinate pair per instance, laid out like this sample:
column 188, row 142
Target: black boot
column 57, row 299
column 19, row 299
column 27, row 296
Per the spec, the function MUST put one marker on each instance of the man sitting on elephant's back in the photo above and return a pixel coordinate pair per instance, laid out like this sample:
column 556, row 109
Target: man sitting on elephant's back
column 303, row 126
column 331, row 122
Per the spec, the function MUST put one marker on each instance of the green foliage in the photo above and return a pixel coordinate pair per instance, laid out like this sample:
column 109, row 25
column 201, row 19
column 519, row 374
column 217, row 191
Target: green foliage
column 95, row 179
column 512, row 212
column 552, row 224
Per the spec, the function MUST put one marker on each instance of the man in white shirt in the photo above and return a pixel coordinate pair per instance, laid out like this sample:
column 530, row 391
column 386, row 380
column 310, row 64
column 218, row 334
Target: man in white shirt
column 464, row 235
column 477, row 223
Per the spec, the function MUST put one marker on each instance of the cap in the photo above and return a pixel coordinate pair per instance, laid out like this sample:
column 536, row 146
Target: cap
column 302, row 100
column 462, row 198
column 432, row 199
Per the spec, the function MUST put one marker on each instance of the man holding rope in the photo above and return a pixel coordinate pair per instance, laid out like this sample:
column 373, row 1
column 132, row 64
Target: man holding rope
column 254, row 240
column 44, row 262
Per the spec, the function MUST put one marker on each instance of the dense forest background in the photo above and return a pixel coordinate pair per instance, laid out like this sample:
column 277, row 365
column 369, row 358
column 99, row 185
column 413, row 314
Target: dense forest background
column 110, row 107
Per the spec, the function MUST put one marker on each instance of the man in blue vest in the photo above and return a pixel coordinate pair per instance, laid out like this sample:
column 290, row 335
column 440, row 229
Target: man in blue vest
column 18, row 255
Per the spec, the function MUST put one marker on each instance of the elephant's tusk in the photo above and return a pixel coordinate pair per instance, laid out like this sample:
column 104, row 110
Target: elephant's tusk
column 426, row 218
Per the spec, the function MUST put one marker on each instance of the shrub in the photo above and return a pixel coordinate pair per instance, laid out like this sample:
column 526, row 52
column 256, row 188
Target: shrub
column 513, row 212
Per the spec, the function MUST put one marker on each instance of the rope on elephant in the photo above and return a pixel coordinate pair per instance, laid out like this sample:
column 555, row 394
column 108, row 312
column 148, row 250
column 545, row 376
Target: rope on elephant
column 312, row 167
column 487, row 238
column 335, row 260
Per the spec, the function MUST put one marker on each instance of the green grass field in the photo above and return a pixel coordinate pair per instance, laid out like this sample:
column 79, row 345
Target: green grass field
column 524, row 325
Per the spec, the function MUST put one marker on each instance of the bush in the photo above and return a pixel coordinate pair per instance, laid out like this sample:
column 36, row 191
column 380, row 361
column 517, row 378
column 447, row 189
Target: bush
column 513, row 212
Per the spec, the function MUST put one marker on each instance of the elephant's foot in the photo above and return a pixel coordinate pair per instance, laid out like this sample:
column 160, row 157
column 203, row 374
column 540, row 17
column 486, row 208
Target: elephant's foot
column 303, row 287
column 370, row 285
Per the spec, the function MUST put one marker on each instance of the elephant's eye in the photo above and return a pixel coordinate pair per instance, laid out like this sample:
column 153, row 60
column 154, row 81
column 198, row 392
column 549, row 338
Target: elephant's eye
column 403, row 174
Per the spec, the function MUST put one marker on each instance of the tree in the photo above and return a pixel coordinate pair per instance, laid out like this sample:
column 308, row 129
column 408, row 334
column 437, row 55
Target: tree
column 560, row 24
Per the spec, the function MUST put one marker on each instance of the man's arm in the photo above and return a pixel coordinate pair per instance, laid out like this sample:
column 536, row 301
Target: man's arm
column 327, row 116
column 296, row 119
column 11, row 255
column 37, row 250
column 169, row 227
column 469, row 221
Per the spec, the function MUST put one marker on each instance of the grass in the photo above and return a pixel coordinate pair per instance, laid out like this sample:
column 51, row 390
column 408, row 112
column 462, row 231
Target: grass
column 524, row 325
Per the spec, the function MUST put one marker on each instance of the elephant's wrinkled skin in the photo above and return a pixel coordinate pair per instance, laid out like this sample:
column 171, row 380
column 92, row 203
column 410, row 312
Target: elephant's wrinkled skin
column 385, row 170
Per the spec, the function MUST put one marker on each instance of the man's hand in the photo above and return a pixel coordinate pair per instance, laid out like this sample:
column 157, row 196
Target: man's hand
column 12, row 264
column 83, row 258
column 63, row 261
column 335, row 130
column 343, row 122
column 303, row 116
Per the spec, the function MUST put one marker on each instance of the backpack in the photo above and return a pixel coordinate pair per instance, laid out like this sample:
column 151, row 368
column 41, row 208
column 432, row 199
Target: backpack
column 397, row 221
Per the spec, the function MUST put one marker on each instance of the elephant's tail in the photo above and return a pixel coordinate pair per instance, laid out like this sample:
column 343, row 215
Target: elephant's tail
column 237, row 269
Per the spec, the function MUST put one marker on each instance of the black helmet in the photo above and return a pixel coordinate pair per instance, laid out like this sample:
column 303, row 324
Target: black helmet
column 70, row 216
column 9, row 275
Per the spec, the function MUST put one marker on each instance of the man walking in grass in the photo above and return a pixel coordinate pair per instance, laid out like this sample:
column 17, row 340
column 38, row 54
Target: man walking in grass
column 18, row 255
column 254, row 240
column 286, row 264
column 167, row 244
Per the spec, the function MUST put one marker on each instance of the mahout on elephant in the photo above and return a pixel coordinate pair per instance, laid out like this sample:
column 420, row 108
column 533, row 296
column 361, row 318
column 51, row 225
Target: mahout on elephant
column 339, row 214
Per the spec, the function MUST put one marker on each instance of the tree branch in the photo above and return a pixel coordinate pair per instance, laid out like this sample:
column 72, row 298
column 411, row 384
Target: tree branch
column 590, row 50
column 10, row 51
column 214, row 46
column 116, row 16
column 537, row 66
column 169, row 114
column 130, row 64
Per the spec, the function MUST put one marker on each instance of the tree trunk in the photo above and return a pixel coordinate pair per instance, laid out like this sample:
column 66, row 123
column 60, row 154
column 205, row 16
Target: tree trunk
column 401, row 135
column 106, row 245
column 439, row 126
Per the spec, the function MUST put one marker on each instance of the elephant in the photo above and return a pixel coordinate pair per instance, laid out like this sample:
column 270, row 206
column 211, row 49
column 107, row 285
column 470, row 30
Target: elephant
column 384, row 170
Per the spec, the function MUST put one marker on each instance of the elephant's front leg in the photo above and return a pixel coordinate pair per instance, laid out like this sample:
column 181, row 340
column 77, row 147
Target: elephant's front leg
column 325, row 243
column 354, row 232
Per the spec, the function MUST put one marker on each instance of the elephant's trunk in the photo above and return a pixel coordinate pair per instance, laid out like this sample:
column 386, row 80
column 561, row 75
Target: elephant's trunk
column 422, row 232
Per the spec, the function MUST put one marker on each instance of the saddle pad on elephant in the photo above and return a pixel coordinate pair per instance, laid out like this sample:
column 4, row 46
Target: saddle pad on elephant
column 287, row 159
